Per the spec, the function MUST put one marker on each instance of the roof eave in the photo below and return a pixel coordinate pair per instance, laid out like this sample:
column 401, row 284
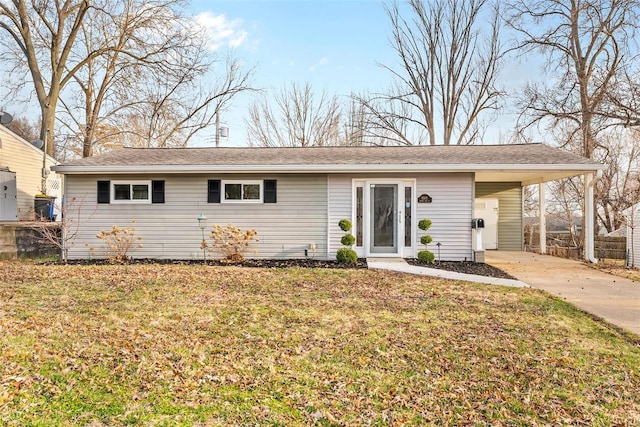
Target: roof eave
column 324, row 168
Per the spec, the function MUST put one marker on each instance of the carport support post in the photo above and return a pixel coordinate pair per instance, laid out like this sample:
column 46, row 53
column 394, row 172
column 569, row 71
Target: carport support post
column 588, row 218
column 542, row 208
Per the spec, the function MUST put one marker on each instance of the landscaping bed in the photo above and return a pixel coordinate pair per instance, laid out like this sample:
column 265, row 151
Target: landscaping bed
column 466, row 267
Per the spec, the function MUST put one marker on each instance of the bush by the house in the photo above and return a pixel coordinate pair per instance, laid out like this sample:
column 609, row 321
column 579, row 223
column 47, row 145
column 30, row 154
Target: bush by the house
column 425, row 255
column 118, row 242
column 231, row 242
column 346, row 254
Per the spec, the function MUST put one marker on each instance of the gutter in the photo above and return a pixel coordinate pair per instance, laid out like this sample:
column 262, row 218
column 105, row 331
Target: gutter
column 325, row 168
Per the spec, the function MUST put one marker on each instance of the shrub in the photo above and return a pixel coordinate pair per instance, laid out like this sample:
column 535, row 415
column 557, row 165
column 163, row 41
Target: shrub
column 348, row 240
column 426, row 257
column 424, row 224
column 345, row 225
column 231, row 242
column 119, row 241
column 426, row 239
column 347, row 256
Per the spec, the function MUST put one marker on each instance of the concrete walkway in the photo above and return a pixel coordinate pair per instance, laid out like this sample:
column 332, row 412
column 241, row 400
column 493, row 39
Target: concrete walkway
column 400, row 265
column 610, row 297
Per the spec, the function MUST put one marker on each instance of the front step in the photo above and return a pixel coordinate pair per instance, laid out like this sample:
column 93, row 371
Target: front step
column 8, row 248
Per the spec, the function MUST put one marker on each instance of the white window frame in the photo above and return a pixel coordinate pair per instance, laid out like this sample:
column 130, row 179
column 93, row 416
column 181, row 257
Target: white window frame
column 223, row 196
column 112, row 192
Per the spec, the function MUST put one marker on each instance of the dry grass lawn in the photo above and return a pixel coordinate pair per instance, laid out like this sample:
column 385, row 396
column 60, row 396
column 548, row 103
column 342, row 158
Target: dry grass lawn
column 196, row 345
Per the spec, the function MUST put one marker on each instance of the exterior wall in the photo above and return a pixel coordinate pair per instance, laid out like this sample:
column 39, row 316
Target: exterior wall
column 510, row 223
column 170, row 230
column 26, row 161
column 633, row 236
column 450, row 211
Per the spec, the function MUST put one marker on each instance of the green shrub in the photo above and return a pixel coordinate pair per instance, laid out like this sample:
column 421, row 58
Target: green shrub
column 347, row 255
column 348, row 240
column 426, row 257
column 426, row 239
column 345, row 225
column 424, row 224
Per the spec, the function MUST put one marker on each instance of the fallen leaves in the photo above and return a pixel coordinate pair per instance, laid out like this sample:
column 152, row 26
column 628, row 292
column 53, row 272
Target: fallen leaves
column 201, row 345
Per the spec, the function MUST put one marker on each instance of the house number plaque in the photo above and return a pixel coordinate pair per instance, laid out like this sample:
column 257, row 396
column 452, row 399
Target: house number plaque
column 424, row 198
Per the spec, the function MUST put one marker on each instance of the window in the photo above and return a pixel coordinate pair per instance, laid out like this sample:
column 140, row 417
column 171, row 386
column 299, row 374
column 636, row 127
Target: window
column 242, row 191
column 131, row 192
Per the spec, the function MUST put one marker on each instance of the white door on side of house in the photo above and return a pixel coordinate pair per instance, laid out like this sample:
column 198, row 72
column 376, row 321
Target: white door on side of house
column 487, row 209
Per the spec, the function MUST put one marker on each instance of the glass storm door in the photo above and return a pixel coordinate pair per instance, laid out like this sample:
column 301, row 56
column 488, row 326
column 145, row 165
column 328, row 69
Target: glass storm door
column 383, row 219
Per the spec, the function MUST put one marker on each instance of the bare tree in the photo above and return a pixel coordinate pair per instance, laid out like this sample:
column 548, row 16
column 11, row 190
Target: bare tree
column 41, row 36
column 63, row 234
column 176, row 107
column 586, row 44
column 450, row 55
column 297, row 118
column 27, row 130
column 137, row 67
column 619, row 185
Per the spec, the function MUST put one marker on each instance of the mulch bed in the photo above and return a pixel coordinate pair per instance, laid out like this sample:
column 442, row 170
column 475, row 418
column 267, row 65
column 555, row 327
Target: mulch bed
column 467, row 267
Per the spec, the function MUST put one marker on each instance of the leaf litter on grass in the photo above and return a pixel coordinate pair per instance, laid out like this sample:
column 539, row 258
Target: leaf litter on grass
column 202, row 345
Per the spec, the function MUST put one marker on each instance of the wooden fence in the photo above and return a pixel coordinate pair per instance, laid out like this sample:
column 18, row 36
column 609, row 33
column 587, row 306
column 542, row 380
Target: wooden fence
column 561, row 245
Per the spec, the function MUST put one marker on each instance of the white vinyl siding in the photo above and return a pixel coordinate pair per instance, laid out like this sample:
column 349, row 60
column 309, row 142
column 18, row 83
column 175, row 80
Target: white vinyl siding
column 450, row 210
column 633, row 236
column 170, row 230
column 450, row 213
column 340, row 206
column 26, row 161
column 510, row 223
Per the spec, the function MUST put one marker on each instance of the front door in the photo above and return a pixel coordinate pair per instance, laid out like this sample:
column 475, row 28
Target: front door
column 384, row 219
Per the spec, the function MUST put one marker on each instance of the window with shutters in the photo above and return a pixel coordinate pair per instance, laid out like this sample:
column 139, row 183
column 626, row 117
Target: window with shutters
column 242, row 191
column 130, row 191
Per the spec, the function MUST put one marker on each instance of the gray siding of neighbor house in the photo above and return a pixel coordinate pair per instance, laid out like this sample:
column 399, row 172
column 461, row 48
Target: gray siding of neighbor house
column 170, row 230
column 510, row 225
column 450, row 211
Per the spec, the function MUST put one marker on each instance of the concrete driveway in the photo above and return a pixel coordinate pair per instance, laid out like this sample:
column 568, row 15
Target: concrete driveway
column 610, row 297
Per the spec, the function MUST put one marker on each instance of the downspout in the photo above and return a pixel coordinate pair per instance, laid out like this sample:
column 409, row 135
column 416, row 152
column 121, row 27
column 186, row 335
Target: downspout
column 589, row 213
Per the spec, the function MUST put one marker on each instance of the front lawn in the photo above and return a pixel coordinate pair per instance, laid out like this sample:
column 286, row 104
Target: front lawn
column 201, row 345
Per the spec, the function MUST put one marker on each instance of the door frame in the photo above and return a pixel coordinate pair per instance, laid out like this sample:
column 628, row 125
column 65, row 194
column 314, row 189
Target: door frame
column 366, row 183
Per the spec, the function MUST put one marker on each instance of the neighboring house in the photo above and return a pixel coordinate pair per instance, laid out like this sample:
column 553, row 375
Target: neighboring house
column 295, row 197
column 632, row 225
column 26, row 161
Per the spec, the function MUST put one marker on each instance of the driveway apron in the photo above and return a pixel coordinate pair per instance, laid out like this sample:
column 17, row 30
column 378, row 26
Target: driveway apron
column 613, row 298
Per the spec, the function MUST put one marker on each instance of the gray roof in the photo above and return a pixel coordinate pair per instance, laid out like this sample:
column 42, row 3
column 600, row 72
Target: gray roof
column 514, row 154
column 525, row 163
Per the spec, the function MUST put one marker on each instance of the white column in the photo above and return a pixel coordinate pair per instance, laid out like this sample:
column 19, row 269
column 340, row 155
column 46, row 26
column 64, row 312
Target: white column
column 542, row 208
column 588, row 218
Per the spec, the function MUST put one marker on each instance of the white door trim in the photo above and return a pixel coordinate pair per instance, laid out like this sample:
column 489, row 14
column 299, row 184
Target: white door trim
column 366, row 183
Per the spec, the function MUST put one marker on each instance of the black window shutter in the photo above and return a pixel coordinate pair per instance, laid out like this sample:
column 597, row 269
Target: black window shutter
column 213, row 191
column 157, row 191
column 270, row 190
column 104, row 191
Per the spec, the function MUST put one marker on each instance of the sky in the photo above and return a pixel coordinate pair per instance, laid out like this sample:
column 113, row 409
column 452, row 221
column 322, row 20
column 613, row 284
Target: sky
column 334, row 45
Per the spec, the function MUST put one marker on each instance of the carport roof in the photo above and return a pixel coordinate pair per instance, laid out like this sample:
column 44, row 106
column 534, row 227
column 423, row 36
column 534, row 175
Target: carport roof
column 526, row 163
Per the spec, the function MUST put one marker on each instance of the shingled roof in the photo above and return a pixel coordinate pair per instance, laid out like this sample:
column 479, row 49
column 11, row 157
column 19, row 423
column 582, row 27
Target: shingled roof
column 471, row 158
